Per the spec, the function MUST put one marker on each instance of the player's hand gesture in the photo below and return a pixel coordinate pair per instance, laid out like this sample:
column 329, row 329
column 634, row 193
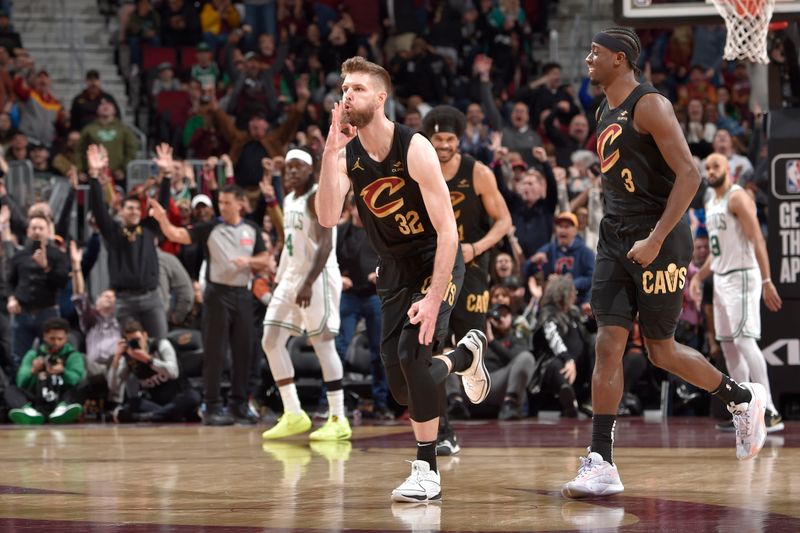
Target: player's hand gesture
column 425, row 312
column 645, row 251
column 771, row 297
column 339, row 134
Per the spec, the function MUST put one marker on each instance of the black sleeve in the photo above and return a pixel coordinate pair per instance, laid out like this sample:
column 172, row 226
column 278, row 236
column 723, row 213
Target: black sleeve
column 697, row 201
column 259, row 244
column 62, row 226
column 59, row 268
column 200, row 232
column 552, row 188
column 105, row 223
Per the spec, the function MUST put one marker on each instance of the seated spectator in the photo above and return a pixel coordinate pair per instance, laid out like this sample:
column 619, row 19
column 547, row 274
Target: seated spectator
column 109, row 132
column 40, row 111
column 163, row 395
column 180, row 25
column 740, row 166
column 567, row 254
column 7, row 131
column 217, row 19
column 84, row 106
column 505, row 273
column 47, row 380
column 66, row 161
column 35, row 275
column 699, row 132
column 206, row 70
column 510, row 364
column 166, row 80
column 562, row 345
column 144, row 27
column 477, row 140
column 18, row 148
column 698, row 87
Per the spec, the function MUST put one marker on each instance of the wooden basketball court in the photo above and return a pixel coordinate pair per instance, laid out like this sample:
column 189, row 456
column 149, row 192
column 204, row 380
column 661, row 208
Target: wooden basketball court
column 679, row 476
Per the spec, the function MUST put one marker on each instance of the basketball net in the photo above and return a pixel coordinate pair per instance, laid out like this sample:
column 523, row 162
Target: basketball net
column 747, row 22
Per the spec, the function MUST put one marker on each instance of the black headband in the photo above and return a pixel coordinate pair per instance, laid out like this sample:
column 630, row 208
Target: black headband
column 615, row 45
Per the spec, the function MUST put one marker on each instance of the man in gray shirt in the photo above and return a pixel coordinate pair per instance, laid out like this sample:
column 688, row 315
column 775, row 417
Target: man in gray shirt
column 233, row 248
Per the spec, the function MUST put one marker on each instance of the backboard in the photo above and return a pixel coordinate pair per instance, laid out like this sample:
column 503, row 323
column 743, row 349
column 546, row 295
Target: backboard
column 664, row 13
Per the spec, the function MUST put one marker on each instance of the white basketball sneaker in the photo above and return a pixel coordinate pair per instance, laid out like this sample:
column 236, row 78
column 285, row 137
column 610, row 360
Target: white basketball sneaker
column 476, row 379
column 596, row 477
column 421, row 486
column 748, row 419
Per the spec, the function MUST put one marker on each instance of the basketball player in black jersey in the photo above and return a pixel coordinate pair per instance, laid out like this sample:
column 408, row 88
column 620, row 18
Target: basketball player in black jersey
column 482, row 219
column 405, row 206
column 649, row 180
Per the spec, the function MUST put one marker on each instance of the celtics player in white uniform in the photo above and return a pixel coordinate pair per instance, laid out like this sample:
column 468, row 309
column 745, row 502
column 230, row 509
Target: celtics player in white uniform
column 305, row 300
column 740, row 265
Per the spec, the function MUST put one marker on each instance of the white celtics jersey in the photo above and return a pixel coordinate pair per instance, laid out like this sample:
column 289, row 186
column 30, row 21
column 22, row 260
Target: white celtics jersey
column 300, row 234
column 730, row 249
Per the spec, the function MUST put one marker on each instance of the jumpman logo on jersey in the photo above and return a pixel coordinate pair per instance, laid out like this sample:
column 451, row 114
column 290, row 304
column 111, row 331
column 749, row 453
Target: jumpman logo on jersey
column 357, row 166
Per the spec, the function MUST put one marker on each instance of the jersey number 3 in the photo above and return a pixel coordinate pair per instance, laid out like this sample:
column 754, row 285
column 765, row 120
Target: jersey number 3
column 628, row 177
column 409, row 223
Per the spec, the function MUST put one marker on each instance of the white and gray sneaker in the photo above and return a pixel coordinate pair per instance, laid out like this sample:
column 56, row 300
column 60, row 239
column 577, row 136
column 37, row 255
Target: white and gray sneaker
column 596, row 477
column 423, row 485
column 475, row 379
column 748, row 418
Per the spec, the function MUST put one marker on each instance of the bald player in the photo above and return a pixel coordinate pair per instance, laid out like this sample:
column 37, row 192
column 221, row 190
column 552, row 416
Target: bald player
column 740, row 265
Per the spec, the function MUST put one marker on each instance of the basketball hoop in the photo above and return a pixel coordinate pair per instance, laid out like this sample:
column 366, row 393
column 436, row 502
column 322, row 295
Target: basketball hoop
column 747, row 22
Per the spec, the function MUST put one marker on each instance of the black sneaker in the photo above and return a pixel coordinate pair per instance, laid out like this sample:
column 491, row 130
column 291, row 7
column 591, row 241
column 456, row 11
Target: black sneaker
column 569, row 405
column 217, row 417
column 447, row 442
column 458, row 410
column 774, row 422
column 509, row 411
column 242, row 414
column 727, row 427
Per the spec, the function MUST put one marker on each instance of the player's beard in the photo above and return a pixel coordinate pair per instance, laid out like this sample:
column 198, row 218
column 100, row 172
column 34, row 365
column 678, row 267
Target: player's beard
column 717, row 182
column 449, row 155
column 358, row 117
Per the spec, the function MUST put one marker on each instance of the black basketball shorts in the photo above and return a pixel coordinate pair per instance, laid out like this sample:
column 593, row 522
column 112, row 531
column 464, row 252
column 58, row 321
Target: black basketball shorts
column 473, row 303
column 622, row 288
column 401, row 282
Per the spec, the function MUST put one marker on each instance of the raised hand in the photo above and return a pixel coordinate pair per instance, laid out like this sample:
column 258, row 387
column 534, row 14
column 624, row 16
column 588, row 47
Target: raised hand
column 266, row 187
column 540, row 154
column 164, row 158
column 339, row 134
column 157, row 210
column 75, row 253
column 97, row 159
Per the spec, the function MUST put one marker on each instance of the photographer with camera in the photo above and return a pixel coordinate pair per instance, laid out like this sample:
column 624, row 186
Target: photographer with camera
column 47, row 379
column 510, row 365
column 162, row 396
column 36, row 273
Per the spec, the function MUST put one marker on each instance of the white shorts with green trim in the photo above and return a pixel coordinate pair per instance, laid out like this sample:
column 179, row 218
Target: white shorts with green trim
column 320, row 316
column 737, row 304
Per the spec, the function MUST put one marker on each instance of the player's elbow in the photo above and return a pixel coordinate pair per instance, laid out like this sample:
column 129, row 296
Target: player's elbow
column 328, row 221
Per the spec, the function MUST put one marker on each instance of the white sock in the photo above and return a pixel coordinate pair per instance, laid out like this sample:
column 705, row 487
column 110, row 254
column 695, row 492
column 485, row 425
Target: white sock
column 750, row 352
column 336, row 403
column 291, row 403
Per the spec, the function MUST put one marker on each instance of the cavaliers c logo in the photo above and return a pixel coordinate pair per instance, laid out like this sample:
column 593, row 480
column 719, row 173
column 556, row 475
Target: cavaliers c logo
column 372, row 192
column 608, row 137
column 455, row 199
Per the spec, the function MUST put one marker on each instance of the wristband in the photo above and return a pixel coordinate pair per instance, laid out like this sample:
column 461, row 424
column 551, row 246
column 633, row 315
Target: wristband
column 768, row 280
column 272, row 202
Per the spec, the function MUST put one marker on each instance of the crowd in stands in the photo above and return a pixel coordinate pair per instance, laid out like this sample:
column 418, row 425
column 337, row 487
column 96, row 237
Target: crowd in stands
column 102, row 319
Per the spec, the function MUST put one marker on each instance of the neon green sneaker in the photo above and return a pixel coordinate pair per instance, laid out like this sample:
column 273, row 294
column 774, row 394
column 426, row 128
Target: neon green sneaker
column 65, row 413
column 334, row 429
column 289, row 424
column 26, row 416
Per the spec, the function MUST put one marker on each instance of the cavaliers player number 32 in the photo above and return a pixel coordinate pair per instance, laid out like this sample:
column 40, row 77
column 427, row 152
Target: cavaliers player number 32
column 399, row 192
column 645, row 244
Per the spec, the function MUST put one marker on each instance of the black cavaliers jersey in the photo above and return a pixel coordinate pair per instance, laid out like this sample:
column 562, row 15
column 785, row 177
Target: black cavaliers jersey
column 389, row 200
column 636, row 178
column 472, row 220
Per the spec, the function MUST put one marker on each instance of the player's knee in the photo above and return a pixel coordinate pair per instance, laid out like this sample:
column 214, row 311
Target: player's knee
column 269, row 340
column 660, row 352
column 397, row 384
